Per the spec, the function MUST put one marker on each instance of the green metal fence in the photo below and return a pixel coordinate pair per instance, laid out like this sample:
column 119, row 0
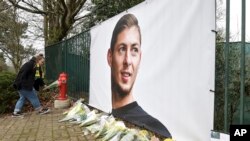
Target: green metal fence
column 73, row 57
column 234, row 69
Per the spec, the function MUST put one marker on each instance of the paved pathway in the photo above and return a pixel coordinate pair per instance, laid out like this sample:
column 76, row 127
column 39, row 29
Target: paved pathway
column 34, row 127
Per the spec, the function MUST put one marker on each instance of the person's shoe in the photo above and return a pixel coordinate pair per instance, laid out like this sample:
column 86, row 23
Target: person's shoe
column 44, row 111
column 17, row 114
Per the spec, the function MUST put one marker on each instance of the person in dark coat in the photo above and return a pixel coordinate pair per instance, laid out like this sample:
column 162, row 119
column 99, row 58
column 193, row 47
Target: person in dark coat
column 39, row 76
column 24, row 83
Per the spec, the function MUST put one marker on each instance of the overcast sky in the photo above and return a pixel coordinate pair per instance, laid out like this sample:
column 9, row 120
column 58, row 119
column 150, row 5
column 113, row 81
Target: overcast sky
column 235, row 19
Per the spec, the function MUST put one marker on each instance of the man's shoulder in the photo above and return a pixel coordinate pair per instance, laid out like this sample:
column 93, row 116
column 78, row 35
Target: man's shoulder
column 30, row 63
column 136, row 115
column 151, row 123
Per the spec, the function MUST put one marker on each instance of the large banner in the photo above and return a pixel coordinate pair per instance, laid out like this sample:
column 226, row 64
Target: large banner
column 177, row 66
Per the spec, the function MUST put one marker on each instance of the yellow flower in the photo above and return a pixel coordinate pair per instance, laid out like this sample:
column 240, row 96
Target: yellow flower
column 168, row 139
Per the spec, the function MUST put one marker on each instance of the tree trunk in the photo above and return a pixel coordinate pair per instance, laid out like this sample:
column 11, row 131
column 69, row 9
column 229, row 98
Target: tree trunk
column 45, row 24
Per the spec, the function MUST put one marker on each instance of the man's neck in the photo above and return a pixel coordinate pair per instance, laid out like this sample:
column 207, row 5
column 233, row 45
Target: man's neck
column 118, row 101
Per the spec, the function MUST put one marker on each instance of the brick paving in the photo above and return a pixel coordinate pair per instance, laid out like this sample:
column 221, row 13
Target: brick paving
column 34, row 127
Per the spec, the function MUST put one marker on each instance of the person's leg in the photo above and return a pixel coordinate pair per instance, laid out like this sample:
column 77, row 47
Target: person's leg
column 20, row 102
column 32, row 97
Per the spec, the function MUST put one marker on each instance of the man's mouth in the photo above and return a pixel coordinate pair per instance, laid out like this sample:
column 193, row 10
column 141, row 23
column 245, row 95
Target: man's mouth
column 125, row 76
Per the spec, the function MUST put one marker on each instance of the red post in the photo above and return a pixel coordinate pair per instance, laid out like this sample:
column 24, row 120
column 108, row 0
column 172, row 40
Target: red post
column 62, row 84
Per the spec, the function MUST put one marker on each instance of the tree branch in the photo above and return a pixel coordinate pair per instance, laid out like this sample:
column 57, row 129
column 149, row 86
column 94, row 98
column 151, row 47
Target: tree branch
column 32, row 6
column 4, row 8
column 63, row 4
column 5, row 52
column 82, row 17
column 79, row 5
column 37, row 11
column 65, row 12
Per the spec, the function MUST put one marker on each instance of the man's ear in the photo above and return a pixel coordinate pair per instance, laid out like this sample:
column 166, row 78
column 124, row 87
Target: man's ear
column 109, row 57
column 140, row 60
column 140, row 56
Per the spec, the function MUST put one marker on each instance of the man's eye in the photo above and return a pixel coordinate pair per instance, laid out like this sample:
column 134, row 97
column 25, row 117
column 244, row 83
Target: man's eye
column 122, row 49
column 135, row 50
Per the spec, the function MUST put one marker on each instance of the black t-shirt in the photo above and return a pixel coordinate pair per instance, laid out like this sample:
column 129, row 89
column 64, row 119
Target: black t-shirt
column 135, row 114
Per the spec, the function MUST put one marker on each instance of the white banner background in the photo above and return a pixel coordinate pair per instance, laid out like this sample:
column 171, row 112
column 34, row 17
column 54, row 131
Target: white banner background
column 177, row 66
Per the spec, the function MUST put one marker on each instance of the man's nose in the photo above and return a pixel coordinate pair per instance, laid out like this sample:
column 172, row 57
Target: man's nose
column 127, row 59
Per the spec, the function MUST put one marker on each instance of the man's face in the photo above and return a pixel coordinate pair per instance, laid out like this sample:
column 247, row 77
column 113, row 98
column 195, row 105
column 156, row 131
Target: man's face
column 124, row 60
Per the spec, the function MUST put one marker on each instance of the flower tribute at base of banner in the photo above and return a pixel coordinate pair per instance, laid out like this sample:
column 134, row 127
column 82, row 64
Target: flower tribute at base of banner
column 104, row 127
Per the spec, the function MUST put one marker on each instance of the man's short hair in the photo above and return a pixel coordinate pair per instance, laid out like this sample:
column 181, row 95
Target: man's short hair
column 125, row 21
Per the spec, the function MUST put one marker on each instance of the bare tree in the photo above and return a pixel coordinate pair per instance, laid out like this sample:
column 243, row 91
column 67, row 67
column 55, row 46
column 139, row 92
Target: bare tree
column 11, row 32
column 59, row 15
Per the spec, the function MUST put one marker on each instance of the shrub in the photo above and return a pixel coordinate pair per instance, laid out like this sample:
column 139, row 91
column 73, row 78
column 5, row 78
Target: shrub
column 8, row 94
